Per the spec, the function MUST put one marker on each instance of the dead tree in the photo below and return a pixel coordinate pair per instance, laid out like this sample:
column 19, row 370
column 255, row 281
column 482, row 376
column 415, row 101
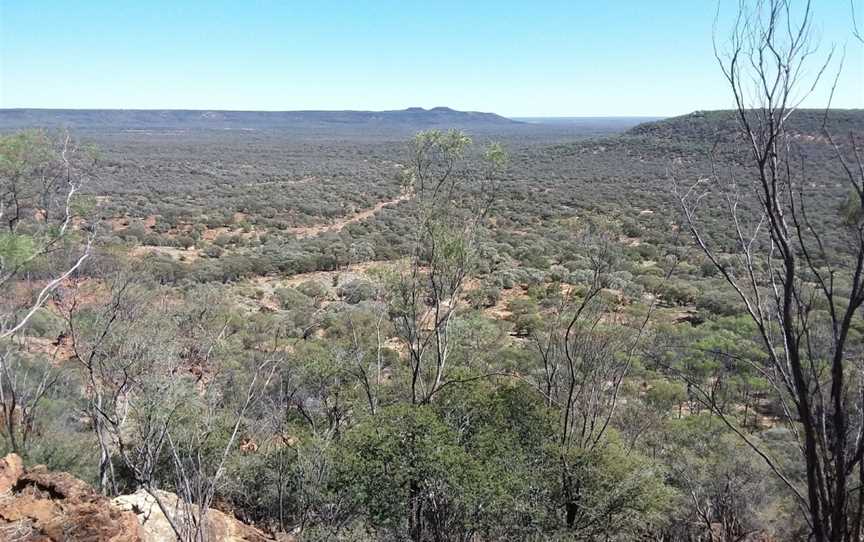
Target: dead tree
column 784, row 271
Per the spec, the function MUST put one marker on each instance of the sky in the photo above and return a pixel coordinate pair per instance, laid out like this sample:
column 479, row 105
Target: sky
column 515, row 58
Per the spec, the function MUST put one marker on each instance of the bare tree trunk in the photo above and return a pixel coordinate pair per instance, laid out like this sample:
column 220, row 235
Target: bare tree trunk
column 784, row 261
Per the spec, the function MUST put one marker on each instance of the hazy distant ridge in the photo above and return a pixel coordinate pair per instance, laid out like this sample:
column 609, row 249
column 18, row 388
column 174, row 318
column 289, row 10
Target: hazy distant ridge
column 250, row 120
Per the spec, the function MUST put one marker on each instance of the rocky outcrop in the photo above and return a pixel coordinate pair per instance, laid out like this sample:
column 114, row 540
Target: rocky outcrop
column 37, row 505
column 41, row 506
column 156, row 528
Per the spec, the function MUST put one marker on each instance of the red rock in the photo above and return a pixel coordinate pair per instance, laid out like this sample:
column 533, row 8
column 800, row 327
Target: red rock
column 43, row 506
column 11, row 469
column 38, row 505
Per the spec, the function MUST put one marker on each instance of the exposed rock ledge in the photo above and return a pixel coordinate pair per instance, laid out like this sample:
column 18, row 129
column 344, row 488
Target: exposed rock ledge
column 41, row 506
column 37, row 505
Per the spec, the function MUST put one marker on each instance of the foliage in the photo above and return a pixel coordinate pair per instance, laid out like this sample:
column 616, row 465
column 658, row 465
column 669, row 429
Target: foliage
column 413, row 302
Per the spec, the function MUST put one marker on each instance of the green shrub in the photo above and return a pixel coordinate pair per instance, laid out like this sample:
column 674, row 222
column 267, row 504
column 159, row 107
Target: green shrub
column 44, row 323
column 357, row 290
column 290, row 298
column 312, row 289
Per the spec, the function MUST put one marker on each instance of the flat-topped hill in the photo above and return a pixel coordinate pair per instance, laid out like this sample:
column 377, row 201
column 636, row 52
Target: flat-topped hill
column 180, row 119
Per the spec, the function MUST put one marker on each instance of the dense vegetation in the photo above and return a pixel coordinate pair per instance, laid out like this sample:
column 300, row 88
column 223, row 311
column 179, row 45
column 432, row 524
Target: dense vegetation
column 520, row 335
column 322, row 331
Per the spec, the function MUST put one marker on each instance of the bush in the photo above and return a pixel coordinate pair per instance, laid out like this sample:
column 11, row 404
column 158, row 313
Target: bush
column 505, row 279
column 312, row 289
column 679, row 292
column 357, row 290
column 290, row 298
column 485, row 296
column 720, row 303
column 222, row 240
column 44, row 323
column 581, row 276
column 557, row 273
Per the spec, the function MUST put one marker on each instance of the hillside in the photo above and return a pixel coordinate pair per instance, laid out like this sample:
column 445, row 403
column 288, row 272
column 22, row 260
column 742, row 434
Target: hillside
column 708, row 127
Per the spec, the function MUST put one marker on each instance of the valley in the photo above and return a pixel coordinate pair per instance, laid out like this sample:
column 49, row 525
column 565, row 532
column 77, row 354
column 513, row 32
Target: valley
column 304, row 305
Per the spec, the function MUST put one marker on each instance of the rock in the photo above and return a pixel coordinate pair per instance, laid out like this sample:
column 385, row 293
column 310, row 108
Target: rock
column 156, row 528
column 152, row 521
column 11, row 469
column 61, row 484
column 37, row 505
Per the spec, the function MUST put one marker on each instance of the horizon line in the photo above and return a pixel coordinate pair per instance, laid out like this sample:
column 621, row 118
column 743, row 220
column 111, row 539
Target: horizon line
column 507, row 116
column 219, row 110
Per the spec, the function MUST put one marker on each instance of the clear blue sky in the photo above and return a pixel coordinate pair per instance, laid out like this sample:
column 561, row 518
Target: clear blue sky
column 517, row 58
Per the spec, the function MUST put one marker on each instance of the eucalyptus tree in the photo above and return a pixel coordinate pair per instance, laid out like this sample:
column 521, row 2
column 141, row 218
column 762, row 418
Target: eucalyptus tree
column 40, row 248
column 451, row 192
column 452, row 197
column 584, row 358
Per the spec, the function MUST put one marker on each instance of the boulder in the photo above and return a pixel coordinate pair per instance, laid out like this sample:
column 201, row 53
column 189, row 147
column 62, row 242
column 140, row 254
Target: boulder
column 11, row 469
column 156, row 528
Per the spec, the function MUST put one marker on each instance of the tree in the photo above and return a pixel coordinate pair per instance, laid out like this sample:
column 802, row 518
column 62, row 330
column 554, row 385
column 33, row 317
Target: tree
column 452, row 198
column 789, row 272
column 451, row 203
column 724, row 490
column 165, row 412
column 584, row 361
column 40, row 176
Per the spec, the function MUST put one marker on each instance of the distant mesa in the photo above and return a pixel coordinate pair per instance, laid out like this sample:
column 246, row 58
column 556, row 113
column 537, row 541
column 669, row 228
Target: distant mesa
column 138, row 119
